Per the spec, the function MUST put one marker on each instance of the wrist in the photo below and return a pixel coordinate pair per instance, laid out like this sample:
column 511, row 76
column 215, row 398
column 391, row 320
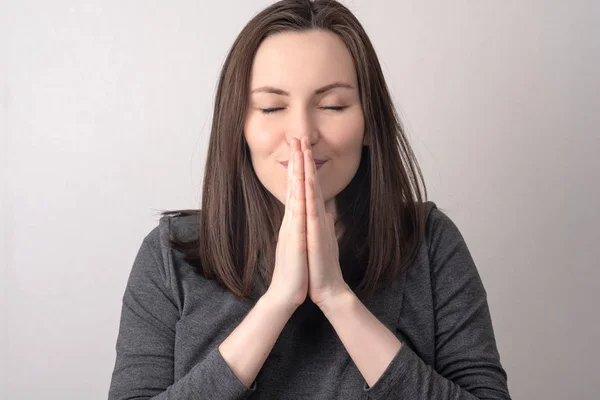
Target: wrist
column 277, row 303
column 338, row 303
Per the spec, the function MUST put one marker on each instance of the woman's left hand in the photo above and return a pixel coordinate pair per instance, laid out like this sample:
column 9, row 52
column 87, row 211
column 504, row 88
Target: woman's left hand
column 324, row 272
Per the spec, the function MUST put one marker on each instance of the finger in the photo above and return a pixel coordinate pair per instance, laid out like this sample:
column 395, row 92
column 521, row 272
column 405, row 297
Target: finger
column 315, row 204
column 290, row 183
column 304, row 144
column 299, row 216
column 316, row 184
column 312, row 210
column 308, row 167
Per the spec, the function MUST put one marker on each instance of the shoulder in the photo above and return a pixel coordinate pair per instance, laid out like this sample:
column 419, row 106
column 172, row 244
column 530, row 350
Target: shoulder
column 448, row 255
column 440, row 229
column 157, row 245
column 182, row 228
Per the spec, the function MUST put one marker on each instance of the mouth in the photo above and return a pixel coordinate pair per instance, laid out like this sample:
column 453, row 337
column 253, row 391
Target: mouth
column 318, row 163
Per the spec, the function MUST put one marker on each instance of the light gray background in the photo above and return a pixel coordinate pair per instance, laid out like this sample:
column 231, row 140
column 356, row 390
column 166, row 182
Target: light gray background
column 105, row 117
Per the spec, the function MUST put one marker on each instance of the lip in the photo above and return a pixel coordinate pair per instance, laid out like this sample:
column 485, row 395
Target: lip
column 318, row 163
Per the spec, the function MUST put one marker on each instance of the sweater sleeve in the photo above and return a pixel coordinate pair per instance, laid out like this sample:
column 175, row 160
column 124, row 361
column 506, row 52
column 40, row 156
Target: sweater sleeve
column 467, row 362
column 144, row 367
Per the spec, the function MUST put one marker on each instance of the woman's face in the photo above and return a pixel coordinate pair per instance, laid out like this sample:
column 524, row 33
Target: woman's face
column 304, row 84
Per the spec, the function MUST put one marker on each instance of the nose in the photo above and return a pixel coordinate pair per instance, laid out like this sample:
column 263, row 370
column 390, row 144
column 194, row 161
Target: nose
column 302, row 123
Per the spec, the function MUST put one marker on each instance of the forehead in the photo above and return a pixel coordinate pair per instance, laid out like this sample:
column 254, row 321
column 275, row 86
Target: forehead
column 302, row 60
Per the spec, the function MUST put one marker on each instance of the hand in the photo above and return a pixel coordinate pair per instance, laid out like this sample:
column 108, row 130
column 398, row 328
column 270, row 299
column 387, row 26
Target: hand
column 289, row 284
column 324, row 272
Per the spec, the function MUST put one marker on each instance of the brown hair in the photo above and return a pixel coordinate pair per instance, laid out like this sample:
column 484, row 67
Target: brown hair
column 382, row 208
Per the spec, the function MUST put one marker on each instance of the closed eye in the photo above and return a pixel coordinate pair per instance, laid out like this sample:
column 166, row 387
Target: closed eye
column 335, row 108
column 270, row 110
column 274, row 109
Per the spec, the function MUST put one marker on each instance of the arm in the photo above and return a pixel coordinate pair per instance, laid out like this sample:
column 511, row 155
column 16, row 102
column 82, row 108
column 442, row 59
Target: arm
column 144, row 366
column 467, row 361
column 247, row 347
column 356, row 326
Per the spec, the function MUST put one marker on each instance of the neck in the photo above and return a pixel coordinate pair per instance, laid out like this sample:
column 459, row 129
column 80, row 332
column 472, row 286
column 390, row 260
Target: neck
column 331, row 208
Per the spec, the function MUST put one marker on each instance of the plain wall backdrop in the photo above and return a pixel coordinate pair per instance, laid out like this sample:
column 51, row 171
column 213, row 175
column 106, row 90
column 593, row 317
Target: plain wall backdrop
column 105, row 117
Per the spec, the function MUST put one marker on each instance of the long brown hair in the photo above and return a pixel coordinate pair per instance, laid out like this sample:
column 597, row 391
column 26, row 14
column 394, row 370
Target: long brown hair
column 382, row 208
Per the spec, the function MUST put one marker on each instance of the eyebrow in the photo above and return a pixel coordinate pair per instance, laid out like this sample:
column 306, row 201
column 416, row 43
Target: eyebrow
column 326, row 88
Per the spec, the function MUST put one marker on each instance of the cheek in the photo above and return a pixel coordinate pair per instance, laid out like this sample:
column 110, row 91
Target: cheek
column 347, row 130
column 260, row 136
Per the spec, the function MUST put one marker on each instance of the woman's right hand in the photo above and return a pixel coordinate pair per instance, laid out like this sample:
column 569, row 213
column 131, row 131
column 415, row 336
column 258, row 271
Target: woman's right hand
column 289, row 283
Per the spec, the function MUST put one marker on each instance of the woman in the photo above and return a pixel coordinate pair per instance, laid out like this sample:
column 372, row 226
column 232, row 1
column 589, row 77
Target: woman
column 315, row 268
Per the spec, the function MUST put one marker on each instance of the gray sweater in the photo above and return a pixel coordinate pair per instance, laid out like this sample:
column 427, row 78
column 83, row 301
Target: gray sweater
column 173, row 320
